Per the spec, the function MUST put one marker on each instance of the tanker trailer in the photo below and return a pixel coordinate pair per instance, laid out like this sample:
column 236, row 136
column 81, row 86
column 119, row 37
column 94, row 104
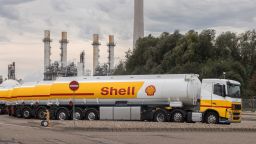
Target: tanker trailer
column 160, row 98
column 4, row 94
column 135, row 97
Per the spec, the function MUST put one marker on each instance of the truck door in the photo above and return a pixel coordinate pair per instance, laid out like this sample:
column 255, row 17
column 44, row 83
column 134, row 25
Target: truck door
column 218, row 95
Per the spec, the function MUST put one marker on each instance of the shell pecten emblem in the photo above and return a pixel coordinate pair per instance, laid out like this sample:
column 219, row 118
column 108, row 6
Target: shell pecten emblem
column 150, row 90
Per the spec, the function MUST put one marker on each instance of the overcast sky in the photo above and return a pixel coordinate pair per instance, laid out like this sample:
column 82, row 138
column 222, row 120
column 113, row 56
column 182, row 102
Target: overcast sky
column 22, row 23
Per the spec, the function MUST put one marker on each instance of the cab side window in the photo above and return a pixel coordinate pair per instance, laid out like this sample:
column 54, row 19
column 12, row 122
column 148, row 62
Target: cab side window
column 219, row 90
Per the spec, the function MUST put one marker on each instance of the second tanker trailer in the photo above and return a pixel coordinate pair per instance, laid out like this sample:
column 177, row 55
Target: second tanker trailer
column 176, row 98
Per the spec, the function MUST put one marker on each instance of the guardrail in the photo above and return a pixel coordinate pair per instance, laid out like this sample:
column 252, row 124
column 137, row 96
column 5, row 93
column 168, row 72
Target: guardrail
column 249, row 105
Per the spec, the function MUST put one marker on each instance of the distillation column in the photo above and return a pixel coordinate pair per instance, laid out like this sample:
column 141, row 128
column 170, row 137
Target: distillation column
column 47, row 49
column 96, row 51
column 111, row 45
column 63, row 48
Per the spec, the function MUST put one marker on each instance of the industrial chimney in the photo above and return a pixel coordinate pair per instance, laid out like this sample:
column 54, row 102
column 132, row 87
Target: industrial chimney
column 111, row 45
column 96, row 51
column 47, row 49
column 63, row 48
column 138, row 27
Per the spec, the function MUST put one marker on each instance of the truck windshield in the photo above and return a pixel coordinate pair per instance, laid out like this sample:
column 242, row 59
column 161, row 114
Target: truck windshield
column 234, row 90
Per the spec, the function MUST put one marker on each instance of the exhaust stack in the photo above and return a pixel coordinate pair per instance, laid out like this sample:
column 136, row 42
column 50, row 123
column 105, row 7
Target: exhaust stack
column 111, row 60
column 63, row 48
column 96, row 51
column 47, row 49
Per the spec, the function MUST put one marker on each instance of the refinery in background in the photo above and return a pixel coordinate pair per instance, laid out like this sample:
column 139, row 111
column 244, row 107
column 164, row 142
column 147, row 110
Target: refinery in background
column 62, row 68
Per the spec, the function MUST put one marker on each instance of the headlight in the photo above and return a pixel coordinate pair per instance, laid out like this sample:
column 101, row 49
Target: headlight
column 236, row 106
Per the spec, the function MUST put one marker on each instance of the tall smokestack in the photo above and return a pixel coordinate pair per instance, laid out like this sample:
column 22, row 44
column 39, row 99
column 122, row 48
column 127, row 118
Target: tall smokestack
column 96, row 51
column 138, row 27
column 63, row 48
column 47, row 49
column 111, row 45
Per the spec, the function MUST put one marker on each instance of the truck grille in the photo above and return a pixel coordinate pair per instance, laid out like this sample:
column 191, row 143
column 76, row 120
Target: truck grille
column 236, row 118
column 236, row 107
column 236, row 113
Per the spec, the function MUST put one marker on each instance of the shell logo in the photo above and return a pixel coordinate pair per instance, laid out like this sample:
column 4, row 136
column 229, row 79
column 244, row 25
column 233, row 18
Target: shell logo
column 150, row 90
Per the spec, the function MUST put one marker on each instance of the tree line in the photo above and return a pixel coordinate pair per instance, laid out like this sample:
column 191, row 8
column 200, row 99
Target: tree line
column 228, row 55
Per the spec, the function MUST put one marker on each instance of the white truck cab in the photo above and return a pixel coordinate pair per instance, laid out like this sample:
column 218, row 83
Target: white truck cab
column 220, row 101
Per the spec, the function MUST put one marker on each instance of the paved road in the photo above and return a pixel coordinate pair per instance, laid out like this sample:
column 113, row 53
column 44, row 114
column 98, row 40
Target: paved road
column 14, row 134
column 20, row 131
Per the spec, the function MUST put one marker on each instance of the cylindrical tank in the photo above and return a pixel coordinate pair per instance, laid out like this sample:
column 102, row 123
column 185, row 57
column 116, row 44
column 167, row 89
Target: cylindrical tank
column 143, row 89
column 111, row 90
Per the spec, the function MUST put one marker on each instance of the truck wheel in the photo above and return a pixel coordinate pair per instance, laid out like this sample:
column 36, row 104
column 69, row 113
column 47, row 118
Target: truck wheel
column 26, row 113
column 41, row 114
column 44, row 123
column 177, row 116
column 92, row 115
column 211, row 118
column 62, row 114
column 18, row 113
column 78, row 114
column 160, row 116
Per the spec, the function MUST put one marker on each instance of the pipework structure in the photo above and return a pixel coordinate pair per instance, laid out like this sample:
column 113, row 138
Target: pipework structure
column 63, row 48
column 57, row 69
column 11, row 71
column 47, row 49
column 138, row 26
column 96, row 51
column 1, row 79
column 111, row 60
column 81, row 65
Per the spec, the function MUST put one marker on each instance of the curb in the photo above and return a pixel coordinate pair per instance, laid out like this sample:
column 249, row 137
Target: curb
column 160, row 129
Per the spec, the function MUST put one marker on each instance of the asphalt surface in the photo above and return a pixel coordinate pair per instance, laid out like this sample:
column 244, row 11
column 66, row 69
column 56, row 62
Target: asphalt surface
column 21, row 131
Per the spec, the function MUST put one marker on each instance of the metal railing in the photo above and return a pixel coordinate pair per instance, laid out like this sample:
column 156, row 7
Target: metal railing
column 249, row 105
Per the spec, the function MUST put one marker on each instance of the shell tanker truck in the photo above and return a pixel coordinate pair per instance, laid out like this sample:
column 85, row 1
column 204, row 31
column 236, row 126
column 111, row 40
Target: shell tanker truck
column 176, row 98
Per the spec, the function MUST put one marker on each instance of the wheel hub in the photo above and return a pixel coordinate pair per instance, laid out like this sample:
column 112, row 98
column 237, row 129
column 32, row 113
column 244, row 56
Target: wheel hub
column 26, row 113
column 41, row 114
column 91, row 116
column 177, row 117
column 62, row 116
column 160, row 117
column 212, row 119
column 77, row 116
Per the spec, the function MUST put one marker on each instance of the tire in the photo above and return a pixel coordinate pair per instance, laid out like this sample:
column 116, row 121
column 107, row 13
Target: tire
column 79, row 115
column 177, row 116
column 18, row 113
column 211, row 118
column 62, row 114
column 44, row 123
column 92, row 114
column 26, row 113
column 41, row 114
column 160, row 116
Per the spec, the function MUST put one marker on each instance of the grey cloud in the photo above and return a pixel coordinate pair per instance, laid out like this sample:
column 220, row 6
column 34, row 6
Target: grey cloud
column 8, row 11
column 4, row 39
column 61, row 5
column 200, row 14
column 13, row 2
column 25, row 20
